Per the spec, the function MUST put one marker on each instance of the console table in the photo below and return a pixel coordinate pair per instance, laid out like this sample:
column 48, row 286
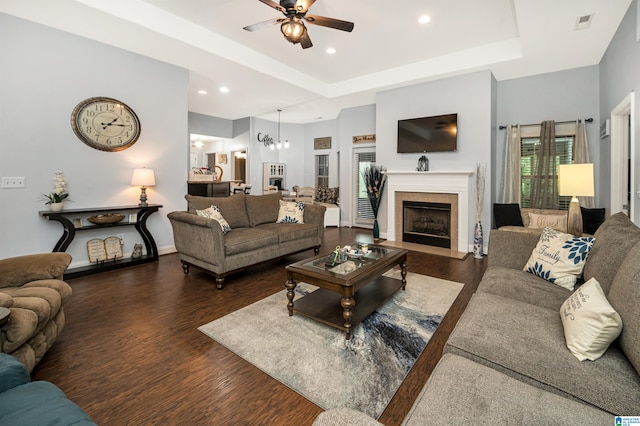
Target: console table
column 69, row 232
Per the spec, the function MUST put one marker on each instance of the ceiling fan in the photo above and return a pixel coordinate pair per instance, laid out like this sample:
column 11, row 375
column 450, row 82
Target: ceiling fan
column 292, row 25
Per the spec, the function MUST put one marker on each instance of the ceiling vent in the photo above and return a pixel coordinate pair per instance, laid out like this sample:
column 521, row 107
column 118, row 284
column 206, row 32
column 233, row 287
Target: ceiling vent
column 583, row 22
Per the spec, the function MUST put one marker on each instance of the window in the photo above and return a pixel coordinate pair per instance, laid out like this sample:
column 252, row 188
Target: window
column 322, row 171
column 529, row 145
column 364, row 212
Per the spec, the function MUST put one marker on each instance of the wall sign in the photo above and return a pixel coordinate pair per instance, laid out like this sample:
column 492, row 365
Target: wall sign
column 364, row 139
column 322, row 143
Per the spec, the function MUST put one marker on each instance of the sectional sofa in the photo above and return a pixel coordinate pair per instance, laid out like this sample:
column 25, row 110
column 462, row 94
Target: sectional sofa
column 252, row 235
column 508, row 359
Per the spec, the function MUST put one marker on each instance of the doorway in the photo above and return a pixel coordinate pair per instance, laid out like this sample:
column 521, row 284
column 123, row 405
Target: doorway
column 622, row 153
column 240, row 165
column 363, row 216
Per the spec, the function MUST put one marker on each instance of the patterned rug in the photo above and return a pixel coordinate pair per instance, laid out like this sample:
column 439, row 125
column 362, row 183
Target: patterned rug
column 316, row 361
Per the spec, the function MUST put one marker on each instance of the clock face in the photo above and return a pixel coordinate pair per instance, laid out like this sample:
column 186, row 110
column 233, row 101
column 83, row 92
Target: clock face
column 105, row 124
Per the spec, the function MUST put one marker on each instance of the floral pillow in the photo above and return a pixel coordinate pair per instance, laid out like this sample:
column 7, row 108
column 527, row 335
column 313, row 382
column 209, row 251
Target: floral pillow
column 290, row 212
column 327, row 195
column 559, row 258
column 214, row 213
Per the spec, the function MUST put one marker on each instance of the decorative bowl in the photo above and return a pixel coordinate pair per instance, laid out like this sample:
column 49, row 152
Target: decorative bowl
column 106, row 219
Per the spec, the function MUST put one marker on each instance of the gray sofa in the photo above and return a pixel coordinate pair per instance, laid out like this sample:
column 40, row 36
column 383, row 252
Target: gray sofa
column 507, row 362
column 254, row 237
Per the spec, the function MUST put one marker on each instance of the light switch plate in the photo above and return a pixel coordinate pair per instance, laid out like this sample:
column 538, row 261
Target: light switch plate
column 14, row 182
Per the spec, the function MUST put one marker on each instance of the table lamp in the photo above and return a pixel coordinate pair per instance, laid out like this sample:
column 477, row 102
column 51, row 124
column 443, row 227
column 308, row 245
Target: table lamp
column 143, row 177
column 575, row 180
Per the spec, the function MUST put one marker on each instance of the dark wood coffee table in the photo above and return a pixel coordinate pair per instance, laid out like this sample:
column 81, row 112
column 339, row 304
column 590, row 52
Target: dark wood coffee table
column 349, row 292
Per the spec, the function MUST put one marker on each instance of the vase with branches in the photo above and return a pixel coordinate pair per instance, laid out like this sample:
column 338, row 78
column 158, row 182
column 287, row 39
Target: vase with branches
column 478, row 239
column 374, row 179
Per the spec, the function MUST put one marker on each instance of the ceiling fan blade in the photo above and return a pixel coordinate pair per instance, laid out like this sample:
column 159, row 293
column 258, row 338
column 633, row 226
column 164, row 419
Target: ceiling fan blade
column 329, row 22
column 305, row 41
column 263, row 24
column 274, row 5
column 303, row 5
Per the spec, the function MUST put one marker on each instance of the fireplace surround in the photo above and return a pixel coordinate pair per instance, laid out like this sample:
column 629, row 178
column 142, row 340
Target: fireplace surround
column 446, row 187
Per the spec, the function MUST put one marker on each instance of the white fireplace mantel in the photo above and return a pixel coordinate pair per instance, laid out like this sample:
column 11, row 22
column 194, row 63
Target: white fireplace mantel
column 443, row 182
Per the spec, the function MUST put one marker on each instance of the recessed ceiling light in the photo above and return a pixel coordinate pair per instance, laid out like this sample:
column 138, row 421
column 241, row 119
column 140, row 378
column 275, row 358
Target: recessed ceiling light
column 202, row 92
column 424, row 19
column 224, row 89
column 331, row 51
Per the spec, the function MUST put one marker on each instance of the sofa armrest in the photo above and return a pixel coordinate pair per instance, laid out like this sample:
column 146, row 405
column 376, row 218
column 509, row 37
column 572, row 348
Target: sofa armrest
column 16, row 271
column 12, row 373
column 314, row 214
column 511, row 249
column 198, row 237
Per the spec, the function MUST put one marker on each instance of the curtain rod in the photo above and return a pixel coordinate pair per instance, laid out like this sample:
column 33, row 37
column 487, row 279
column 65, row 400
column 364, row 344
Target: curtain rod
column 588, row 120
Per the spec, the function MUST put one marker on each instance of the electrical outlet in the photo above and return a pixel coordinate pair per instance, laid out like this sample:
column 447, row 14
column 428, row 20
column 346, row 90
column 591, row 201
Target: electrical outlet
column 121, row 236
column 14, row 182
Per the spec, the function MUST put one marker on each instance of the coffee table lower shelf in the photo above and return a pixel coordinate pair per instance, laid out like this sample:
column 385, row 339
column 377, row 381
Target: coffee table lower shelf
column 324, row 306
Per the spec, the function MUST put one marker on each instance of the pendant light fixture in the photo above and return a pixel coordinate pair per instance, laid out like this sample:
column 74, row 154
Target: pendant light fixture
column 279, row 144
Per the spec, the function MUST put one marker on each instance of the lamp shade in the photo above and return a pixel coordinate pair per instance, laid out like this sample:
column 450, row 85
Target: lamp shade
column 143, row 177
column 575, row 180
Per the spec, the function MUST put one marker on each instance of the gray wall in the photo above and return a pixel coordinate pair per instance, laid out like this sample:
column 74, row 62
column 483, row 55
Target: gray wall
column 560, row 96
column 44, row 74
column 470, row 96
column 619, row 76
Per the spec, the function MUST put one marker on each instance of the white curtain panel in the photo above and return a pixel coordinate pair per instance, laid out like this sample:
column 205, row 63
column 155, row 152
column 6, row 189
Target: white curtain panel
column 510, row 191
column 581, row 156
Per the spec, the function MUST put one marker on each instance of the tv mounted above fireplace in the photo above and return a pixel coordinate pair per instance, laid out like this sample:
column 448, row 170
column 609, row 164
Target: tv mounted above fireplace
column 428, row 134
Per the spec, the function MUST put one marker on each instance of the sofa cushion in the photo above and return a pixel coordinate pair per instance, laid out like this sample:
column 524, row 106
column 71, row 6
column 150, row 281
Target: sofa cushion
column 523, row 286
column 507, row 215
column 553, row 221
column 22, row 327
column 263, row 208
column 460, row 391
column 247, row 239
column 291, row 231
column 615, row 237
column 527, row 342
column 16, row 271
column 624, row 296
column 214, row 213
column 559, row 257
column 592, row 219
column 290, row 212
column 590, row 323
column 232, row 208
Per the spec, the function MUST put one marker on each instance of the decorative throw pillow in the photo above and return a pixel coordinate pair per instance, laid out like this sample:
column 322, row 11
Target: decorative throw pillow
column 213, row 213
column 327, row 195
column 507, row 215
column 590, row 323
column 290, row 212
column 554, row 221
column 592, row 219
column 559, row 258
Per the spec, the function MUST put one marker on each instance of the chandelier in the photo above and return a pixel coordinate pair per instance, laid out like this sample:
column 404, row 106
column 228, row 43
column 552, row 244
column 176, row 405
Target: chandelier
column 279, row 143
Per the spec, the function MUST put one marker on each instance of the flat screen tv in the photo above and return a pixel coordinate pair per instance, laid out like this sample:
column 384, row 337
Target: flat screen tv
column 428, row 134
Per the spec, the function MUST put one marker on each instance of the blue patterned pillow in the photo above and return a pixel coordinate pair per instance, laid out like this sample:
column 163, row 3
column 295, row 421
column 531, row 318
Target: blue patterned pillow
column 559, row 258
column 214, row 213
column 290, row 212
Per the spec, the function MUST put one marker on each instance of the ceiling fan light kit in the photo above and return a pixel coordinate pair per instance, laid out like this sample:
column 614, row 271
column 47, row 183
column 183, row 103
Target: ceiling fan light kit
column 292, row 26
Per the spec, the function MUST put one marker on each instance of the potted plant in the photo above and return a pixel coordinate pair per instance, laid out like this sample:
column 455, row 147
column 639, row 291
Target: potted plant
column 478, row 238
column 55, row 199
column 374, row 179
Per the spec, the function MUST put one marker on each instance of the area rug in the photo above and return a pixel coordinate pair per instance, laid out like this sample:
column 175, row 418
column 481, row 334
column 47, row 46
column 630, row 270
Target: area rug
column 317, row 361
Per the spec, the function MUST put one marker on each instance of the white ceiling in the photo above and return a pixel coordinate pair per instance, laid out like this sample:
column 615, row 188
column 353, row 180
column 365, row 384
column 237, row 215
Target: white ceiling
column 387, row 48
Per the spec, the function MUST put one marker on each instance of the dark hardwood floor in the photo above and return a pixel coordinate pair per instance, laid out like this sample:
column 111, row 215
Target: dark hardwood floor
column 131, row 354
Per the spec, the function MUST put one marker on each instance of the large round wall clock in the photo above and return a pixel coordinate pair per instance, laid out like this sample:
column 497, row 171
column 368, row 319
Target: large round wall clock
column 105, row 124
